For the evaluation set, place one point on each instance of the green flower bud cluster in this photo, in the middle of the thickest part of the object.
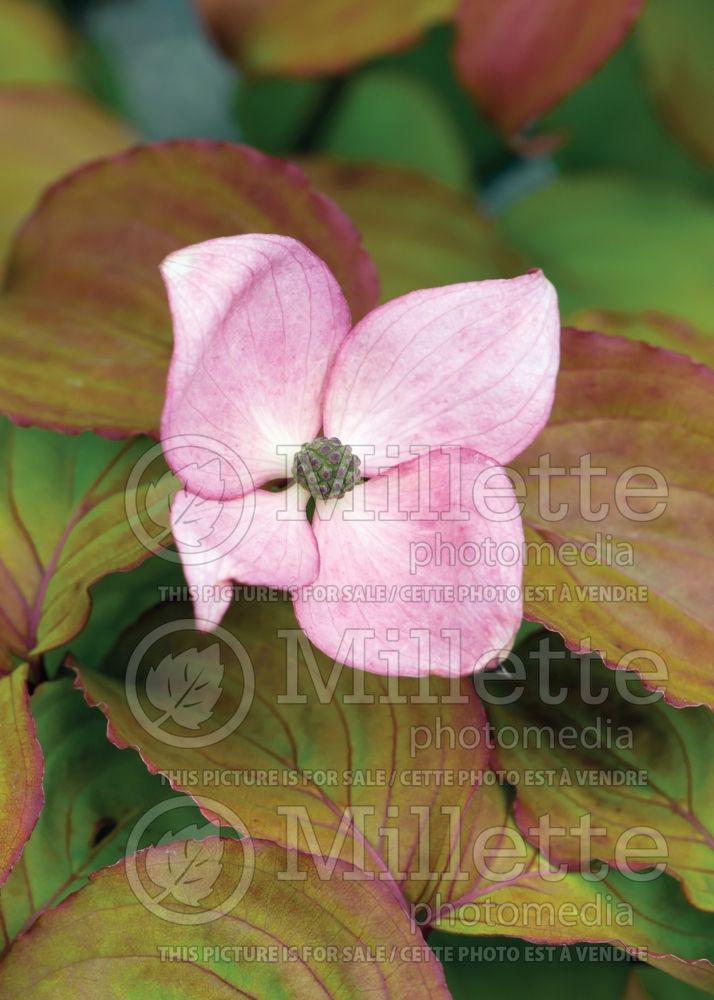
(326, 468)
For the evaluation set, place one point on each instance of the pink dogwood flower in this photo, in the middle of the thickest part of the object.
(433, 392)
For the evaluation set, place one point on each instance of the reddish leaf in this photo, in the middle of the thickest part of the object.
(651, 327)
(519, 58)
(628, 407)
(84, 307)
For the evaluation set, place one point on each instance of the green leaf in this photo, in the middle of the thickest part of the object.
(188, 871)
(610, 242)
(84, 295)
(34, 45)
(390, 117)
(431, 62)
(185, 687)
(21, 769)
(611, 122)
(117, 601)
(83, 942)
(506, 967)
(640, 417)
(274, 112)
(647, 983)
(420, 233)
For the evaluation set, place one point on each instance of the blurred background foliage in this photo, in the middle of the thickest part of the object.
(610, 192)
(602, 192)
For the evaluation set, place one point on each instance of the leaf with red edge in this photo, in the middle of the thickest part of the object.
(64, 525)
(518, 58)
(675, 44)
(644, 416)
(46, 132)
(325, 36)
(21, 767)
(84, 307)
(652, 327)
(326, 925)
(613, 751)
(187, 870)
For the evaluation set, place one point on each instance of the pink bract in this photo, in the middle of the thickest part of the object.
(434, 390)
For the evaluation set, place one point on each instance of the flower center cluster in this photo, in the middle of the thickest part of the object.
(326, 468)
